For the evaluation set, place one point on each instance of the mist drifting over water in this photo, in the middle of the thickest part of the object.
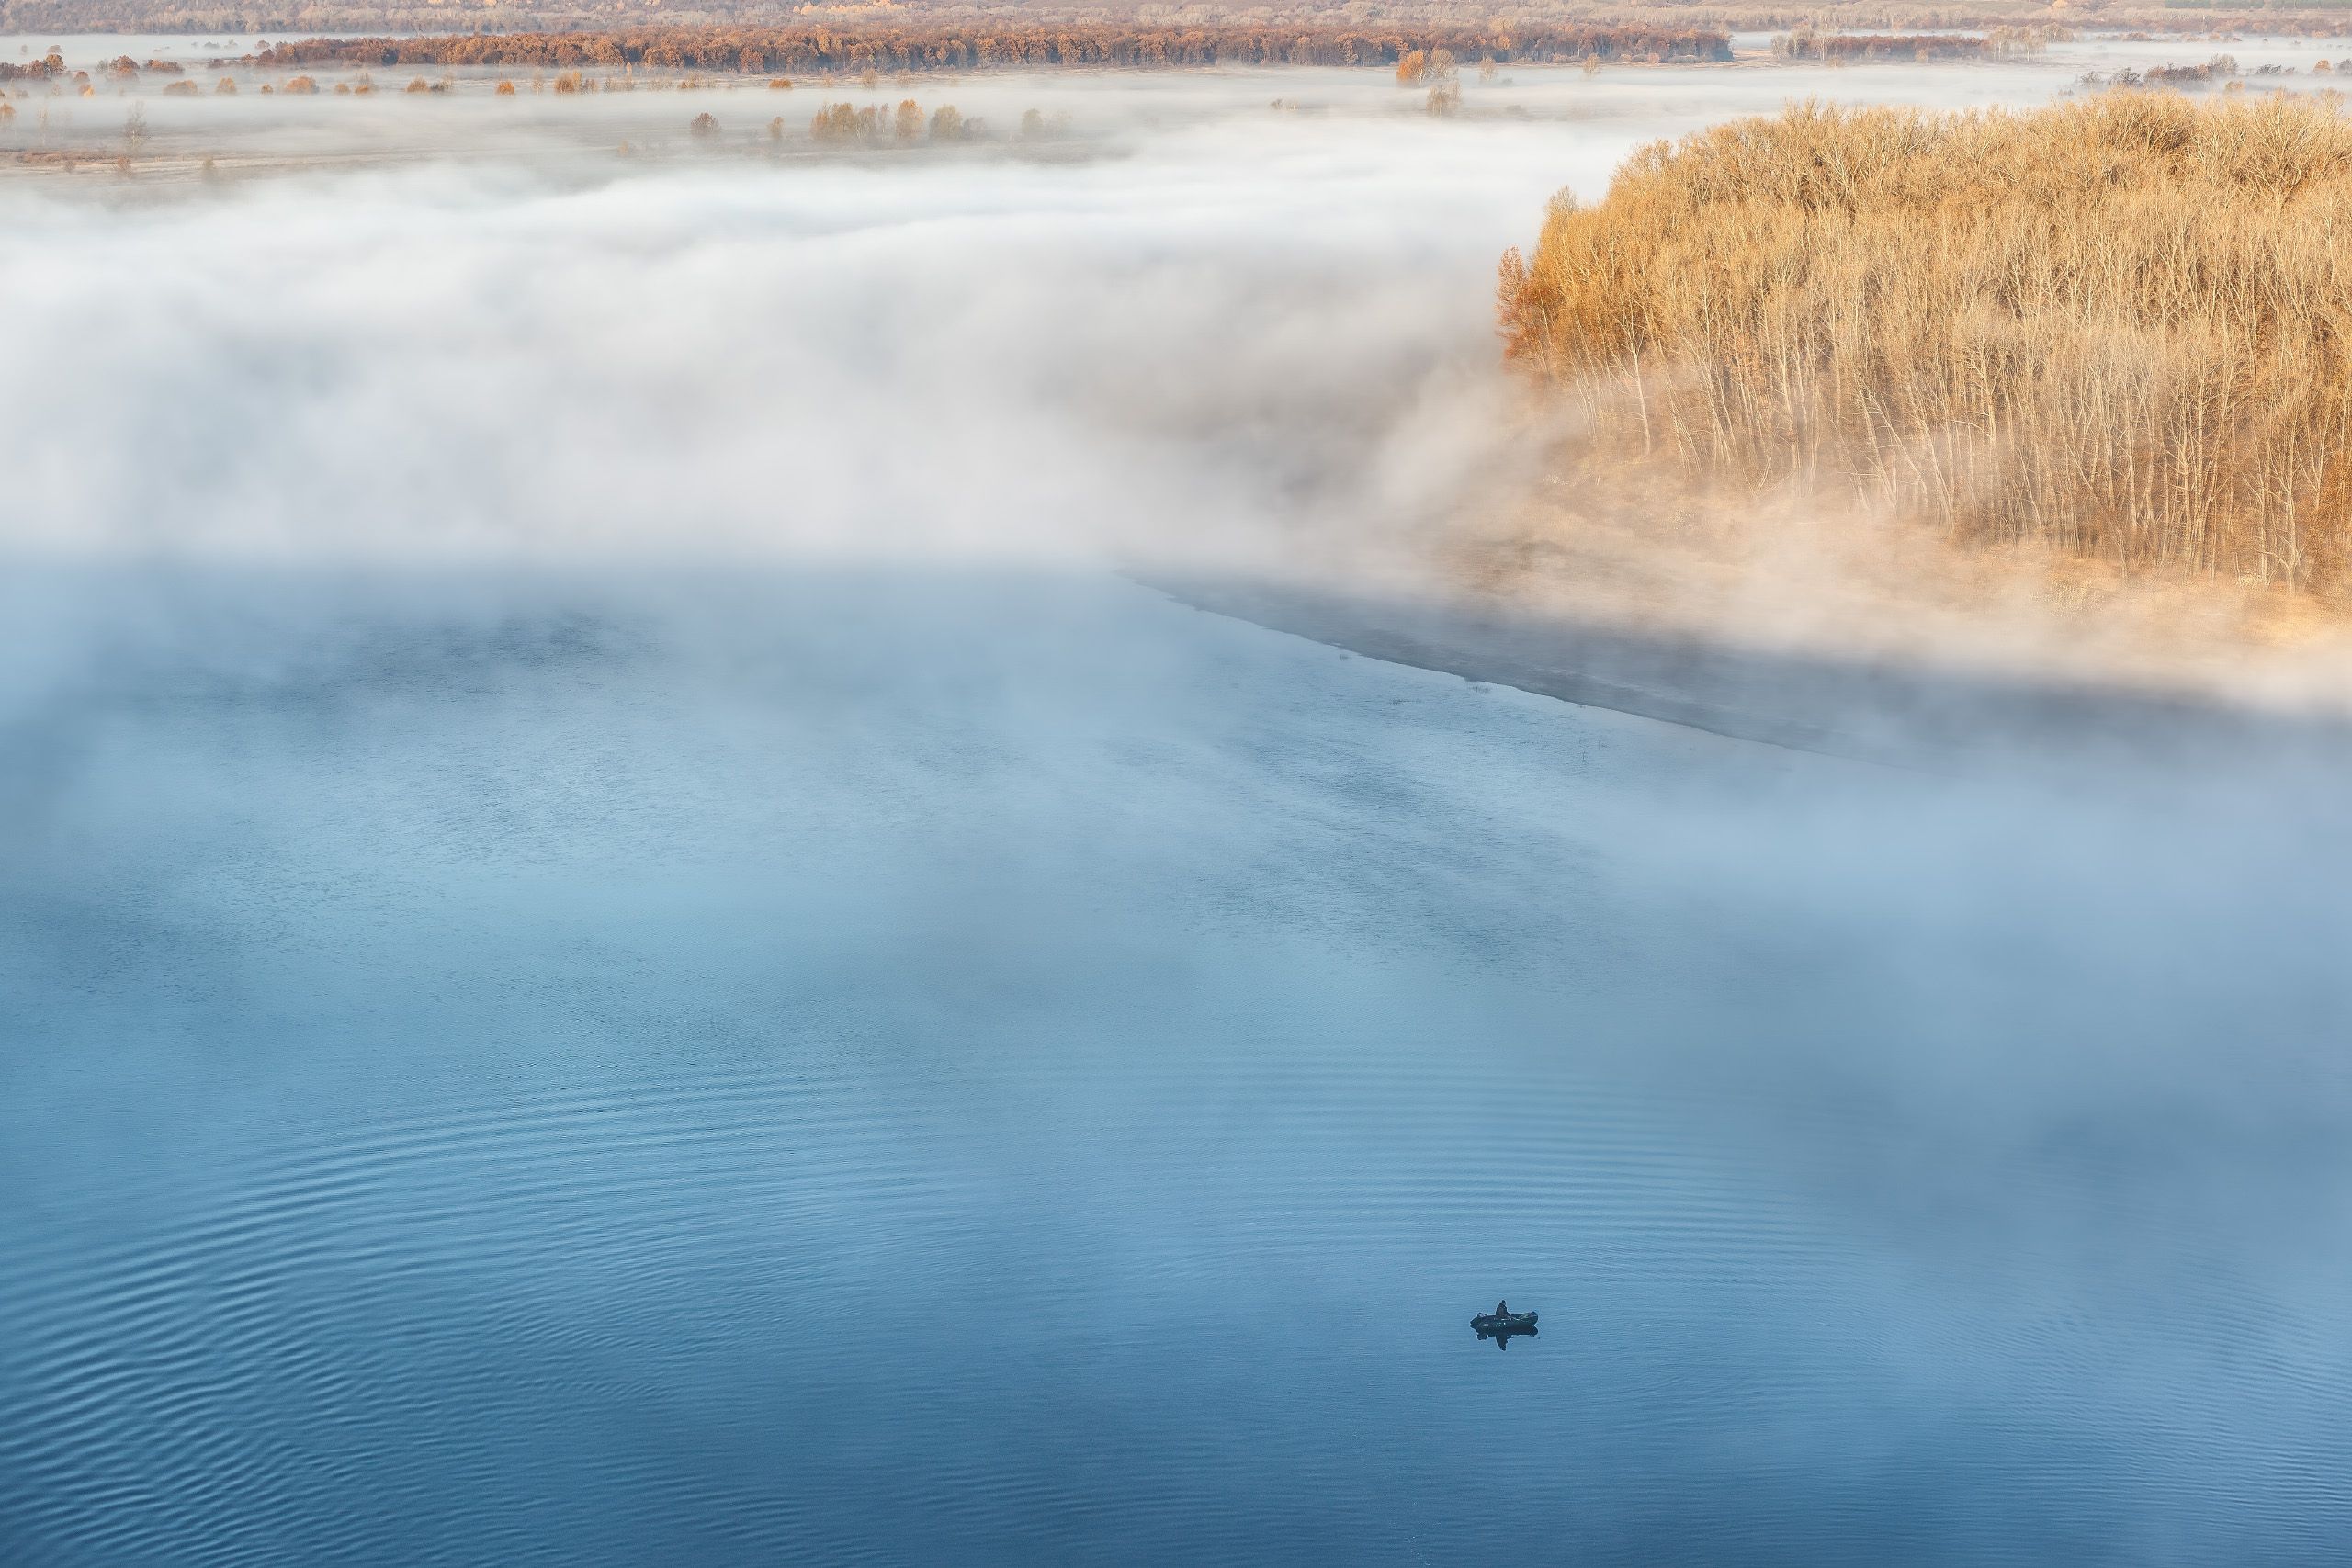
(621, 943)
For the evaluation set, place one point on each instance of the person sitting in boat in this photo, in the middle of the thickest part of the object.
(1502, 1309)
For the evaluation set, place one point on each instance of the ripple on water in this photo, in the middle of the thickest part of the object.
(488, 1205)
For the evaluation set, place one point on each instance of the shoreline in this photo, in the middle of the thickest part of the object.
(1888, 712)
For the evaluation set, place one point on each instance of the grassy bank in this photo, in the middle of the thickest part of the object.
(2121, 327)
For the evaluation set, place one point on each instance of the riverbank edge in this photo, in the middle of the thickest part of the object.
(1896, 714)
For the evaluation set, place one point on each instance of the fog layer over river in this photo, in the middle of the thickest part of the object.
(620, 943)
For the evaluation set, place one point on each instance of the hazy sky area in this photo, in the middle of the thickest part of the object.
(621, 942)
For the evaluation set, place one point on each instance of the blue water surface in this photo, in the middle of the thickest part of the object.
(835, 1066)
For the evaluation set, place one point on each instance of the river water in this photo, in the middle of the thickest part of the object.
(867, 1066)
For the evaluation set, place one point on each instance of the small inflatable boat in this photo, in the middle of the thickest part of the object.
(1502, 1323)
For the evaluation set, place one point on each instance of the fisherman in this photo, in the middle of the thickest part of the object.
(1502, 1309)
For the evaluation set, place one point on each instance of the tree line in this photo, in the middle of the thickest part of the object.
(1806, 43)
(306, 17)
(965, 46)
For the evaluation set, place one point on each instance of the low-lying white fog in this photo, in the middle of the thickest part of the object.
(1190, 308)
(1607, 111)
(621, 940)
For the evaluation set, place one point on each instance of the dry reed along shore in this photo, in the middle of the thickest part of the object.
(2120, 326)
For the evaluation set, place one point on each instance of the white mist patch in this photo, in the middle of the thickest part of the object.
(1007, 356)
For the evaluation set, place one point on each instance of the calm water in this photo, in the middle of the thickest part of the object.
(855, 1068)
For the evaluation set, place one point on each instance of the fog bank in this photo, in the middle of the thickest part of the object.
(1211, 319)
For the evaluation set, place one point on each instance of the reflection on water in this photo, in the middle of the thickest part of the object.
(901, 1071)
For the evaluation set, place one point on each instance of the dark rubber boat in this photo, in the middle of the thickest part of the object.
(1502, 1323)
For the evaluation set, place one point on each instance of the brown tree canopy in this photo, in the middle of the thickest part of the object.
(966, 47)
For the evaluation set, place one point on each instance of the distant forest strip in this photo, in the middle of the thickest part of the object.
(1893, 19)
(2120, 326)
(1999, 42)
(919, 46)
(303, 18)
